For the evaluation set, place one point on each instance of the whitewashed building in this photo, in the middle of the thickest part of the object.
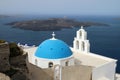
(56, 55)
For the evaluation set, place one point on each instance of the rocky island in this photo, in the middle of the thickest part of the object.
(52, 24)
(4, 16)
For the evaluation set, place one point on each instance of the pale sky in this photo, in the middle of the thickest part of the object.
(79, 7)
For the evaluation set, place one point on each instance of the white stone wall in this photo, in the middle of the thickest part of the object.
(44, 63)
(69, 60)
(30, 57)
(106, 71)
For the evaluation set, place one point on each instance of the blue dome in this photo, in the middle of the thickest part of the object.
(53, 49)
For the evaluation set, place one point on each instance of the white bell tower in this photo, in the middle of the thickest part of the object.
(80, 42)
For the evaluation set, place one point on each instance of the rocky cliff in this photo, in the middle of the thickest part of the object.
(4, 57)
(12, 67)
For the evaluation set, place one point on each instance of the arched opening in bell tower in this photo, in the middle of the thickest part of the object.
(83, 46)
(80, 34)
(77, 44)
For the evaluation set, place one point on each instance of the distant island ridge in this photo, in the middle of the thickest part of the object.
(52, 24)
(4, 16)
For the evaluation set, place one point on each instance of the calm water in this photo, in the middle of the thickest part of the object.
(104, 40)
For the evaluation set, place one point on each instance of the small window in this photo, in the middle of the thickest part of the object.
(66, 63)
(77, 44)
(83, 46)
(80, 34)
(50, 65)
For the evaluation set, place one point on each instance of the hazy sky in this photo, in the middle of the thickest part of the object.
(78, 7)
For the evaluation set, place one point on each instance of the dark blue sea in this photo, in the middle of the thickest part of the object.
(104, 40)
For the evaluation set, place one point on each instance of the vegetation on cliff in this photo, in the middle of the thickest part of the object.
(15, 50)
(2, 41)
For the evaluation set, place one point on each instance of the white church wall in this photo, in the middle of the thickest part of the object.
(30, 57)
(67, 62)
(103, 67)
(44, 63)
(72, 62)
(30, 52)
(104, 71)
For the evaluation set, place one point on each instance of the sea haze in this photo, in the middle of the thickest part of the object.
(104, 40)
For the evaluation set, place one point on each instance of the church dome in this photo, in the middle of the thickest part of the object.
(53, 49)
